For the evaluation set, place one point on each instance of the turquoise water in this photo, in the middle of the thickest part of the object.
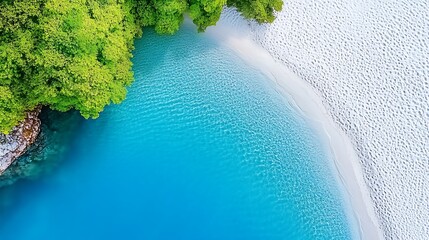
(203, 148)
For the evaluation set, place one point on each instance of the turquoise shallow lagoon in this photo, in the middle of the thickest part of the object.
(204, 147)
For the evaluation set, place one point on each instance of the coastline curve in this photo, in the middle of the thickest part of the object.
(308, 102)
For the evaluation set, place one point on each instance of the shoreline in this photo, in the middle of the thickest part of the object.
(304, 98)
(17, 142)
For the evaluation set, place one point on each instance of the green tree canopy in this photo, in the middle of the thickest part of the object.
(75, 54)
(167, 15)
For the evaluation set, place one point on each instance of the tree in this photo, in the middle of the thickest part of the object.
(17, 44)
(167, 15)
(260, 10)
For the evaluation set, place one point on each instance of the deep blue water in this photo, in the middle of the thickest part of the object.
(203, 148)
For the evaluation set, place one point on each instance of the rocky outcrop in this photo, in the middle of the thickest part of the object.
(17, 142)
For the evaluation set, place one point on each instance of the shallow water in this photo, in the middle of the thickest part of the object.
(203, 148)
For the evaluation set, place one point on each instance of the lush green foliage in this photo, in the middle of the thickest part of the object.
(64, 54)
(260, 10)
(76, 53)
(167, 15)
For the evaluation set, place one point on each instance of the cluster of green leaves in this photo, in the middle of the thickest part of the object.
(167, 15)
(63, 54)
(17, 41)
(75, 54)
(260, 10)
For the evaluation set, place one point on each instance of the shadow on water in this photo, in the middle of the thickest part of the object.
(42, 157)
(170, 49)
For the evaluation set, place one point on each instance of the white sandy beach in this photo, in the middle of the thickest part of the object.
(369, 63)
(307, 101)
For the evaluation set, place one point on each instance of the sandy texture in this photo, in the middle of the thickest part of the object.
(369, 60)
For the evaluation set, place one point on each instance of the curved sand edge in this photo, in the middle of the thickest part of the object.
(307, 101)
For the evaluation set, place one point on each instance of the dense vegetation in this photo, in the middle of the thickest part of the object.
(75, 54)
